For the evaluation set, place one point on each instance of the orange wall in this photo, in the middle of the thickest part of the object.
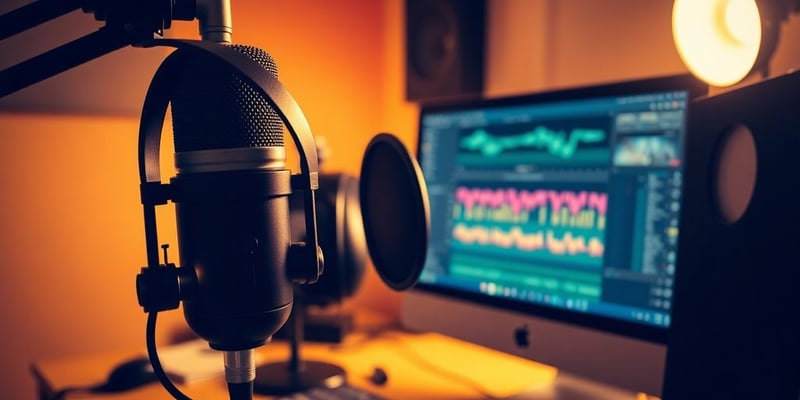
(542, 44)
(69, 238)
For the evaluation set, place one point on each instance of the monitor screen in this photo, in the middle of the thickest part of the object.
(557, 214)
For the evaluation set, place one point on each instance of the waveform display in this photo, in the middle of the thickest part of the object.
(503, 213)
(543, 216)
(551, 225)
(559, 143)
(582, 208)
(564, 244)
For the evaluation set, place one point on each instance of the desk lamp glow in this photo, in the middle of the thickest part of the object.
(724, 41)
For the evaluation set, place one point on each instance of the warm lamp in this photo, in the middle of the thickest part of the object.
(723, 41)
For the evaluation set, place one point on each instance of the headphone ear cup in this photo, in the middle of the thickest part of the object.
(341, 236)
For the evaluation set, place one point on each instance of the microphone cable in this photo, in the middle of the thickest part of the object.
(236, 391)
(152, 354)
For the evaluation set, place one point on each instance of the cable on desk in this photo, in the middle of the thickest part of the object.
(412, 355)
(237, 391)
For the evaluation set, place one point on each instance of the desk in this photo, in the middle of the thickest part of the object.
(418, 366)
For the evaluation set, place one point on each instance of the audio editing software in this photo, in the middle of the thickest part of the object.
(572, 204)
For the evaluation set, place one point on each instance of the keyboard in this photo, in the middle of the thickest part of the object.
(344, 392)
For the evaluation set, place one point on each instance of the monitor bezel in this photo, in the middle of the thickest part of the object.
(648, 333)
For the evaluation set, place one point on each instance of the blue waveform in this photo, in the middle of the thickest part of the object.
(557, 143)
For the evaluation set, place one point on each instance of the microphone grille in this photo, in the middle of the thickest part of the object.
(213, 108)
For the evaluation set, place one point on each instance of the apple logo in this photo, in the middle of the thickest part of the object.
(522, 336)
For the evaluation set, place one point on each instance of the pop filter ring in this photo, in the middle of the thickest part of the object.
(395, 208)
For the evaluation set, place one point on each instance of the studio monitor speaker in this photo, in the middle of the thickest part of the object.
(735, 332)
(444, 48)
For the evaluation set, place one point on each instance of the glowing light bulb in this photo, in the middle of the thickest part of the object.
(718, 40)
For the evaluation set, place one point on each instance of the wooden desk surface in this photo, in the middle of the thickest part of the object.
(418, 366)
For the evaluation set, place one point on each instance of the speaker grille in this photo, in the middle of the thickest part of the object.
(444, 48)
(213, 108)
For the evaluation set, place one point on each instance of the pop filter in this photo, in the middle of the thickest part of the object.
(395, 209)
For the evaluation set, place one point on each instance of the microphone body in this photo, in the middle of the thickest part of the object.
(232, 204)
(231, 232)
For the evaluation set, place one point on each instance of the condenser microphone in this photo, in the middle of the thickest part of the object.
(232, 208)
(231, 195)
(231, 202)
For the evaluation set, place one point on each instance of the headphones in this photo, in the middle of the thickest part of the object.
(341, 236)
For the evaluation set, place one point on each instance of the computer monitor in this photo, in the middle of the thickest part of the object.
(554, 225)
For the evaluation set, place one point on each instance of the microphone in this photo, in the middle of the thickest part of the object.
(231, 195)
(231, 202)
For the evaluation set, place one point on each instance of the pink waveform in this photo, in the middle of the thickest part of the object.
(520, 200)
(540, 240)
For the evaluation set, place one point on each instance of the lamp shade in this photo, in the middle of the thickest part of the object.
(718, 40)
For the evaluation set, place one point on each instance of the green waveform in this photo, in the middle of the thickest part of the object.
(557, 143)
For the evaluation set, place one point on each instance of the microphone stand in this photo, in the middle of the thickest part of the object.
(296, 374)
(34, 14)
(126, 23)
(58, 60)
